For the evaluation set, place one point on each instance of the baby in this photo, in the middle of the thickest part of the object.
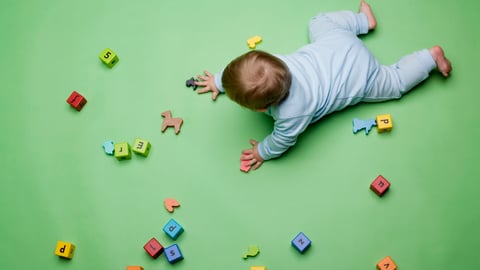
(334, 71)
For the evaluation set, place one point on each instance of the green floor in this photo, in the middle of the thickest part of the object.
(57, 183)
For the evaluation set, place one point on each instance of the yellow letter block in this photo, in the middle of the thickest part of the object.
(122, 151)
(386, 264)
(384, 122)
(108, 57)
(64, 249)
(141, 147)
(258, 268)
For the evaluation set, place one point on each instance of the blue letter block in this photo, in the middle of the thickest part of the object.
(301, 242)
(173, 254)
(173, 229)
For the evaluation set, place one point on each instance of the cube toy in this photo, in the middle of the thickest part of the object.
(384, 122)
(108, 57)
(173, 254)
(386, 264)
(64, 249)
(301, 242)
(173, 229)
(258, 268)
(253, 41)
(134, 268)
(76, 100)
(108, 147)
(153, 248)
(141, 147)
(380, 185)
(122, 151)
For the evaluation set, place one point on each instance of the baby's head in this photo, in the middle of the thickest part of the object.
(257, 80)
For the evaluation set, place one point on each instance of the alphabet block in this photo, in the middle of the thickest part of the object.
(384, 122)
(141, 147)
(108, 57)
(258, 268)
(65, 249)
(134, 268)
(76, 100)
(153, 248)
(122, 151)
(380, 185)
(386, 264)
(301, 242)
(173, 229)
(173, 254)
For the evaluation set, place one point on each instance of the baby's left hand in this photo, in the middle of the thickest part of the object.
(251, 154)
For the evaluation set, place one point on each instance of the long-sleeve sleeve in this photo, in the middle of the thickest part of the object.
(284, 135)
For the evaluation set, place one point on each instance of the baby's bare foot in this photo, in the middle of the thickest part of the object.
(365, 8)
(443, 64)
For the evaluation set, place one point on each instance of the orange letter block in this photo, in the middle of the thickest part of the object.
(386, 264)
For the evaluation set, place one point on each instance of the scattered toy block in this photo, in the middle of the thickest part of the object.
(122, 151)
(173, 229)
(173, 254)
(64, 249)
(76, 100)
(153, 248)
(386, 264)
(384, 122)
(170, 203)
(141, 147)
(380, 185)
(301, 242)
(359, 124)
(245, 166)
(169, 121)
(134, 268)
(258, 268)
(253, 41)
(191, 83)
(108, 57)
(252, 251)
(108, 147)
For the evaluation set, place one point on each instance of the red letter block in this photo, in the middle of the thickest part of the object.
(380, 185)
(153, 247)
(76, 100)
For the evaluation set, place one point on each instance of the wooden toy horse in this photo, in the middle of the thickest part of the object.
(169, 121)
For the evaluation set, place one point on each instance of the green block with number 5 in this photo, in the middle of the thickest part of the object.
(108, 57)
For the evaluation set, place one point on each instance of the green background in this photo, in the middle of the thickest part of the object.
(57, 183)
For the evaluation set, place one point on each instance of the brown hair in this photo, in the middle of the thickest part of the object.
(257, 80)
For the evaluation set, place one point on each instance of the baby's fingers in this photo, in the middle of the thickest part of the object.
(204, 90)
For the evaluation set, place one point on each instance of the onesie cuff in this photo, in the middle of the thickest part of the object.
(362, 23)
(218, 81)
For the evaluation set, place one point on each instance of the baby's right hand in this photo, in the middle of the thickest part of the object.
(208, 83)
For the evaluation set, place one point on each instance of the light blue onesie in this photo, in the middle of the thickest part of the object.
(332, 72)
